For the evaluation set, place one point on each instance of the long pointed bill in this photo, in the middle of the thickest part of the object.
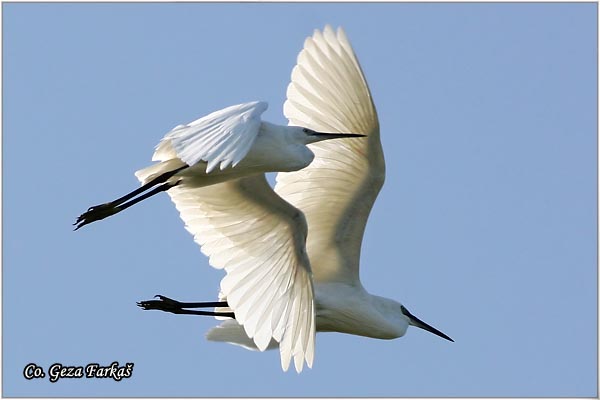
(414, 321)
(325, 136)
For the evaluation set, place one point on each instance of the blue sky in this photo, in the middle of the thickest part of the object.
(485, 228)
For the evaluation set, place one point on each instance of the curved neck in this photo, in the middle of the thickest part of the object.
(351, 309)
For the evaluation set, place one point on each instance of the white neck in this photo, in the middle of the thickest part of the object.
(351, 309)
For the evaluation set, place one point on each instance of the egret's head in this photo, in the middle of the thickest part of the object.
(310, 136)
(414, 321)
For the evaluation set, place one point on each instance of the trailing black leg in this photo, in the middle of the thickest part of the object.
(102, 211)
(176, 307)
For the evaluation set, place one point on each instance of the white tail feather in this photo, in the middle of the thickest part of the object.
(231, 332)
(145, 175)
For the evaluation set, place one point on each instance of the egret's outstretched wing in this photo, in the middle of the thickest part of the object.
(329, 93)
(221, 138)
(259, 239)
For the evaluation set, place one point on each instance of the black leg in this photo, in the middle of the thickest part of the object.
(176, 307)
(102, 211)
(158, 180)
(162, 188)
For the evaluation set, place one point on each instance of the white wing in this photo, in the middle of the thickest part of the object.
(259, 239)
(222, 137)
(329, 93)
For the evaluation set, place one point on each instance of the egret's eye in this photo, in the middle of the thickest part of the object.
(305, 130)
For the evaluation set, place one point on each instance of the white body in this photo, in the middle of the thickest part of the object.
(339, 307)
(267, 148)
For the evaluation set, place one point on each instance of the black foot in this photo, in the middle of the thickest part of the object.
(163, 303)
(176, 307)
(96, 213)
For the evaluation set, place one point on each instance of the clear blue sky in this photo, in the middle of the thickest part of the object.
(485, 228)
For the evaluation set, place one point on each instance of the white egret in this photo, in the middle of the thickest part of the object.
(281, 286)
(233, 139)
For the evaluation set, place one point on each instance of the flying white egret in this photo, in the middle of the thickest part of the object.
(234, 139)
(281, 286)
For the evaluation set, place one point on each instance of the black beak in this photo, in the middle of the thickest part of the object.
(414, 321)
(324, 135)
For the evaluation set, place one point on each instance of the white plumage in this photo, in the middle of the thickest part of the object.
(246, 229)
(291, 255)
(221, 138)
(259, 236)
(337, 190)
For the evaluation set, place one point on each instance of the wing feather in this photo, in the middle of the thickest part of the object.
(259, 239)
(222, 138)
(328, 93)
